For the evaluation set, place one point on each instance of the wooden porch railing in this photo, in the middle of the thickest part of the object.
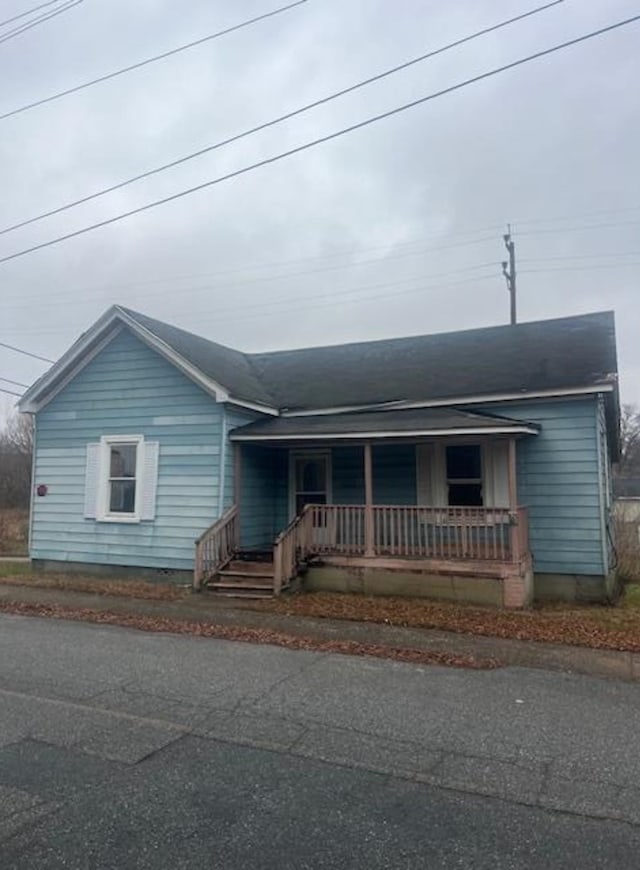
(215, 547)
(291, 547)
(470, 533)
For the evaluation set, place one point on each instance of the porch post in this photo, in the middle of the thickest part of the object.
(237, 483)
(369, 548)
(513, 501)
(513, 485)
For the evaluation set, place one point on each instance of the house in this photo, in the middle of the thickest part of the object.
(626, 493)
(626, 512)
(472, 465)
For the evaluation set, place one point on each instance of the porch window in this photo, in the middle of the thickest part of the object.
(464, 475)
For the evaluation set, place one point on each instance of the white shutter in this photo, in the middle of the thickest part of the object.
(92, 481)
(150, 452)
(496, 472)
(431, 475)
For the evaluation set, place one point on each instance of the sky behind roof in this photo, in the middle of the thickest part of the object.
(395, 229)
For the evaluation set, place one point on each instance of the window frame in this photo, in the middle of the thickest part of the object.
(104, 515)
(469, 481)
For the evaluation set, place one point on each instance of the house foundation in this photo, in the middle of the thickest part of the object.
(493, 584)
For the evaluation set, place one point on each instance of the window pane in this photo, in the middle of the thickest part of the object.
(123, 460)
(464, 462)
(465, 494)
(311, 475)
(122, 498)
(309, 498)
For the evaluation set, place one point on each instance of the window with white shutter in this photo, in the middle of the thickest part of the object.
(121, 479)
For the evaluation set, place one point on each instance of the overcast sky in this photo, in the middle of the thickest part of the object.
(392, 230)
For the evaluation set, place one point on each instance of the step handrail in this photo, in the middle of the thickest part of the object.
(291, 547)
(216, 546)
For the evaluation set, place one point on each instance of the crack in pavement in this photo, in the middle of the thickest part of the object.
(378, 757)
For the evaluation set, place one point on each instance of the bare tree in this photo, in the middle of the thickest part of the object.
(629, 464)
(16, 449)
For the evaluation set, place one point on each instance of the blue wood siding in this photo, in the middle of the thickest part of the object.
(263, 495)
(347, 467)
(558, 480)
(128, 389)
(264, 476)
(394, 474)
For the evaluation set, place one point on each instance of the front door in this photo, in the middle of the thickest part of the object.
(310, 480)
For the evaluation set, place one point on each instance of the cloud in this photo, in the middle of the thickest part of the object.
(555, 138)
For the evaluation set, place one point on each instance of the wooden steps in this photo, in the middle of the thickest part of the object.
(248, 575)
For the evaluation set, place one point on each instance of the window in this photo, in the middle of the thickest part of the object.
(121, 486)
(464, 475)
(121, 479)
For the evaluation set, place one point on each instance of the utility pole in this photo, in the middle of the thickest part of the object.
(509, 271)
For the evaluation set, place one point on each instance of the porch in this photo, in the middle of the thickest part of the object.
(430, 508)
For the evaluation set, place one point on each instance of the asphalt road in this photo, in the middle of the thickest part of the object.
(120, 749)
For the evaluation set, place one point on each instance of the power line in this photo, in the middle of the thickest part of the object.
(149, 60)
(10, 392)
(85, 291)
(581, 268)
(340, 294)
(265, 279)
(368, 298)
(322, 139)
(545, 232)
(25, 352)
(28, 12)
(288, 115)
(15, 383)
(11, 34)
(582, 257)
(573, 217)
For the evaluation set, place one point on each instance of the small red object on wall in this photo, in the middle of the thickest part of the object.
(42, 489)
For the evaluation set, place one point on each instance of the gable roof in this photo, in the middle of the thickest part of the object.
(528, 357)
(571, 353)
(226, 366)
(412, 422)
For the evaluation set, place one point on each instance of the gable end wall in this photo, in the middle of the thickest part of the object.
(128, 389)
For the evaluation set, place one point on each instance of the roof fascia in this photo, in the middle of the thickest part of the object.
(211, 386)
(488, 398)
(77, 357)
(81, 353)
(254, 406)
(524, 429)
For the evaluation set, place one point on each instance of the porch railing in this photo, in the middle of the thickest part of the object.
(471, 533)
(215, 547)
(291, 547)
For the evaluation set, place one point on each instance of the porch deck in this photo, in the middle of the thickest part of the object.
(444, 540)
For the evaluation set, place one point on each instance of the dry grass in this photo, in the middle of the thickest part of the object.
(14, 532)
(250, 635)
(595, 626)
(20, 574)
